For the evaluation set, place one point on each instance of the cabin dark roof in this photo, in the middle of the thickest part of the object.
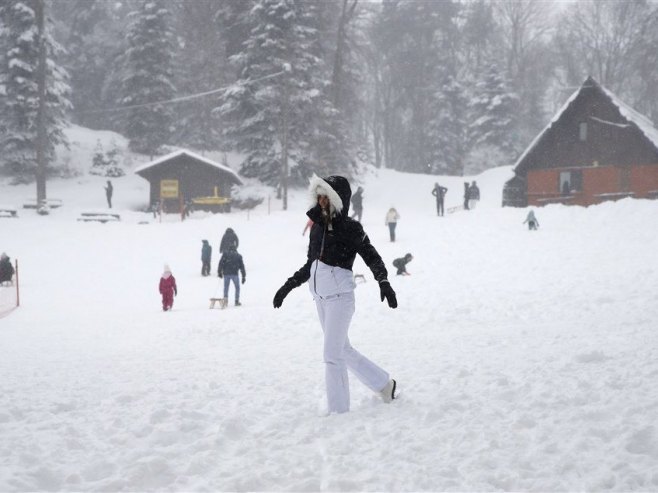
(631, 116)
(146, 168)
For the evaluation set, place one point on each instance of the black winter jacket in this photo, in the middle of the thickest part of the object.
(229, 240)
(338, 245)
(230, 263)
(439, 192)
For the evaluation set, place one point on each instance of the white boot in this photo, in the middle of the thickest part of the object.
(388, 392)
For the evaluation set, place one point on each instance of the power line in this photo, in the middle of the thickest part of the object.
(184, 98)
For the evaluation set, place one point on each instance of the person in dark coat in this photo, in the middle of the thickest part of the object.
(109, 189)
(473, 195)
(229, 265)
(6, 269)
(206, 256)
(357, 202)
(439, 192)
(401, 264)
(168, 288)
(334, 242)
(230, 239)
(467, 196)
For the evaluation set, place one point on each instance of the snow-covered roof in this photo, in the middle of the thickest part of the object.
(555, 118)
(193, 155)
(644, 124)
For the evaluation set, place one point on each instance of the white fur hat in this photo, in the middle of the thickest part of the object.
(317, 187)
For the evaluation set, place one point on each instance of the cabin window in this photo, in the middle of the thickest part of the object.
(570, 181)
(582, 131)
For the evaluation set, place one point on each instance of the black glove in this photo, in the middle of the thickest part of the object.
(243, 280)
(386, 291)
(280, 295)
(220, 275)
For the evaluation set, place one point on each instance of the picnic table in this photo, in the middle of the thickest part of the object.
(50, 203)
(99, 216)
(8, 211)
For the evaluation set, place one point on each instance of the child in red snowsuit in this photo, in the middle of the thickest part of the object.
(168, 289)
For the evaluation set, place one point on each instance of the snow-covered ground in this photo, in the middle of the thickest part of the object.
(527, 360)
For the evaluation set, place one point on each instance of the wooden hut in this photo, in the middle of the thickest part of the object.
(184, 177)
(596, 148)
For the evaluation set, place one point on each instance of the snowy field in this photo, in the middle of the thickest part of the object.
(528, 361)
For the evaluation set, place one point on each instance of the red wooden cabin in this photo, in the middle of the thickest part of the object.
(596, 148)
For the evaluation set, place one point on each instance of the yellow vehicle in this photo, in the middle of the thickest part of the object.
(213, 203)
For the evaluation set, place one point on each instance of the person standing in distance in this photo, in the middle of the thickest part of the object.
(334, 241)
(229, 240)
(109, 189)
(439, 192)
(357, 202)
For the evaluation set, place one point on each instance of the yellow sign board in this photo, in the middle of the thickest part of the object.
(169, 189)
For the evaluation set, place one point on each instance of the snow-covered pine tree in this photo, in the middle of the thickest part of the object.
(91, 31)
(19, 41)
(106, 163)
(493, 114)
(98, 162)
(114, 169)
(417, 41)
(447, 128)
(283, 39)
(332, 128)
(148, 76)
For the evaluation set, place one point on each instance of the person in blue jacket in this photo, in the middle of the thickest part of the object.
(229, 265)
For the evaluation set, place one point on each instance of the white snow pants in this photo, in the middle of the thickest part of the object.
(335, 314)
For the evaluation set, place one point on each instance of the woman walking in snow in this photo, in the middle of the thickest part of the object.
(392, 217)
(168, 288)
(334, 241)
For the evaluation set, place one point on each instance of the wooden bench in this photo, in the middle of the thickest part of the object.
(222, 302)
(8, 211)
(101, 217)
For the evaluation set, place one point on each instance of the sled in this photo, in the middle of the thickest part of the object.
(222, 302)
(455, 209)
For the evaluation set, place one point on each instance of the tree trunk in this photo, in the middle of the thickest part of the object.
(42, 138)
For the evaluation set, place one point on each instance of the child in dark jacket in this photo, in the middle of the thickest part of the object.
(533, 224)
(168, 288)
(206, 255)
(229, 265)
(401, 264)
(6, 269)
